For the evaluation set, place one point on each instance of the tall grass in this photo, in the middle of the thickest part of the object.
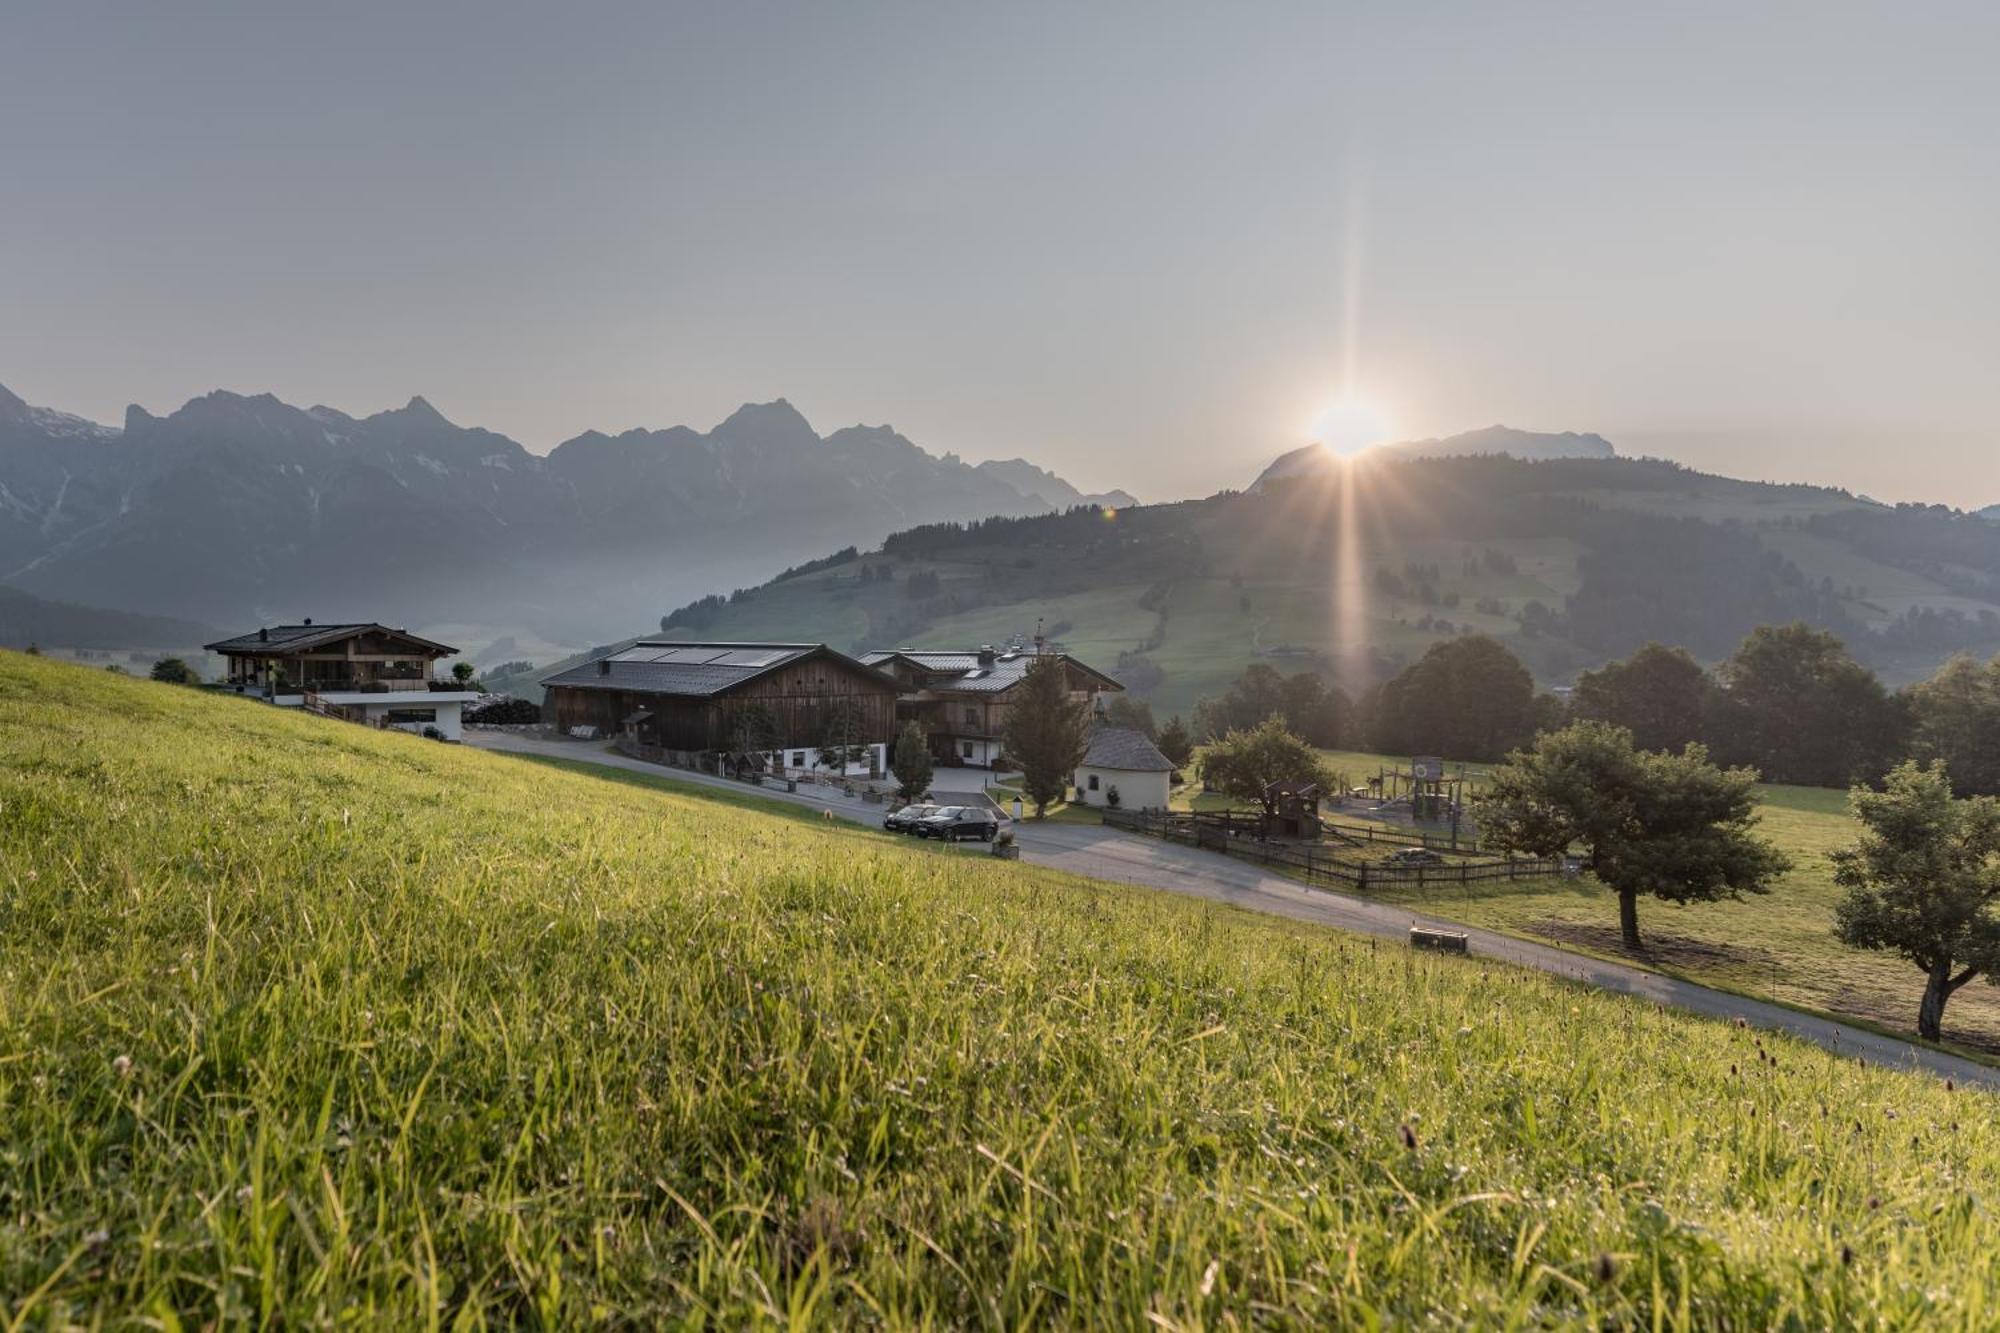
(301, 1022)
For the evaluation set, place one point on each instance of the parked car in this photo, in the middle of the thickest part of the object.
(1411, 857)
(906, 819)
(954, 822)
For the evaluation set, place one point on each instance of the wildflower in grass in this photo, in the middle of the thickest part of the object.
(1847, 1256)
(1409, 1138)
(1607, 1269)
(122, 1066)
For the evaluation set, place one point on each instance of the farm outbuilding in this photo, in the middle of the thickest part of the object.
(1121, 765)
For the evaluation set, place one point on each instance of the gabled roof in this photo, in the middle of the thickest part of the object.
(970, 675)
(695, 670)
(281, 640)
(1124, 749)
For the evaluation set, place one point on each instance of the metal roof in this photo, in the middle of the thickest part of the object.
(972, 676)
(300, 638)
(1125, 749)
(696, 670)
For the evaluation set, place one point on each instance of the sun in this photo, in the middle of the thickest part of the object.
(1350, 426)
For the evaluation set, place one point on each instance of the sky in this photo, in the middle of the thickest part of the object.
(1144, 245)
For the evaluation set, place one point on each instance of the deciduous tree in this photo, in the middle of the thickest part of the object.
(1800, 709)
(1659, 694)
(1465, 698)
(1670, 825)
(1955, 718)
(1245, 762)
(840, 742)
(1923, 881)
(1047, 731)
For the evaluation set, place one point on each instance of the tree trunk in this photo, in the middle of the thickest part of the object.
(1628, 919)
(1937, 989)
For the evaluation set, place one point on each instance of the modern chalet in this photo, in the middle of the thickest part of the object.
(366, 673)
(961, 699)
(764, 706)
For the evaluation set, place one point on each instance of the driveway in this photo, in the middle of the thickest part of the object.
(1129, 858)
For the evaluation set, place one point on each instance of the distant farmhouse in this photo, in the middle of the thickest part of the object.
(771, 705)
(961, 700)
(364, 673)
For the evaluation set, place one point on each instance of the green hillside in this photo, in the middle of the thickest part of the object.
(1570, 563)
(306, 1023)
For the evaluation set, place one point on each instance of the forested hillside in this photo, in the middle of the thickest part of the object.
(1569, 562)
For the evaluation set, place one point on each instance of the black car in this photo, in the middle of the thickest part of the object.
(954, 822)
(905, 819)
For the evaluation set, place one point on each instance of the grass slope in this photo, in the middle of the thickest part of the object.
(1780, 945)
(304, 1022)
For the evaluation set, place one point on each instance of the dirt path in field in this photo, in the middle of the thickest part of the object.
(1103, 853)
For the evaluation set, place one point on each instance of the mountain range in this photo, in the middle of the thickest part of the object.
(1527, 446)
(236, 510)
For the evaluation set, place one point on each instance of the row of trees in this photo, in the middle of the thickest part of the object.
(1793, 703)
(1790, 701)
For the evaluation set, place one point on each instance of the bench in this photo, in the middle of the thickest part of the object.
(1444, 941)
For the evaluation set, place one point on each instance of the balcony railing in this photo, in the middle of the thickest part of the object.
(378, 684)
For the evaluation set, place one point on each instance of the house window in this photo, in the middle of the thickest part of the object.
(1093, 782)
(798, 759)
(409, 717)
(971, 716)
(968, 749)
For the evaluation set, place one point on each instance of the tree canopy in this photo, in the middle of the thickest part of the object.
(1659, 694)
(1955, 719)
(1175, 743)
(1923, 881)
(1672, 826)
(1468, 698)
(1800, 709)
(1046, 732)
(840, 742)
(1310, 707)
(1246, 761)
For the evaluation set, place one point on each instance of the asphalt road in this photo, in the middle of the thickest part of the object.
(1128, 858)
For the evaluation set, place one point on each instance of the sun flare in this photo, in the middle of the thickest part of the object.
(1350, 426)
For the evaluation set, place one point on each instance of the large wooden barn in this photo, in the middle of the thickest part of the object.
(778, 702)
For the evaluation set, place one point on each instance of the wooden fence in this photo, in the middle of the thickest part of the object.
(1241, 836)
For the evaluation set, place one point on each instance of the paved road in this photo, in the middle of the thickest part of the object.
(1134, 859)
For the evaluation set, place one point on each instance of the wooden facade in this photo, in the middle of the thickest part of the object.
(797, 700)
(294, 658)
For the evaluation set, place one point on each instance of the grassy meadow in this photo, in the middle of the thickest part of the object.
(1779, 946)
(304, 1023)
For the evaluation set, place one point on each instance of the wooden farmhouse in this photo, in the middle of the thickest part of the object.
(962, 699)
(366, 673)
(765, 706)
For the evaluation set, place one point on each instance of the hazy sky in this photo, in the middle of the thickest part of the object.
(1138, 244)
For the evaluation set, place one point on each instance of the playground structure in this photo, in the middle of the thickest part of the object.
(1425, 793)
